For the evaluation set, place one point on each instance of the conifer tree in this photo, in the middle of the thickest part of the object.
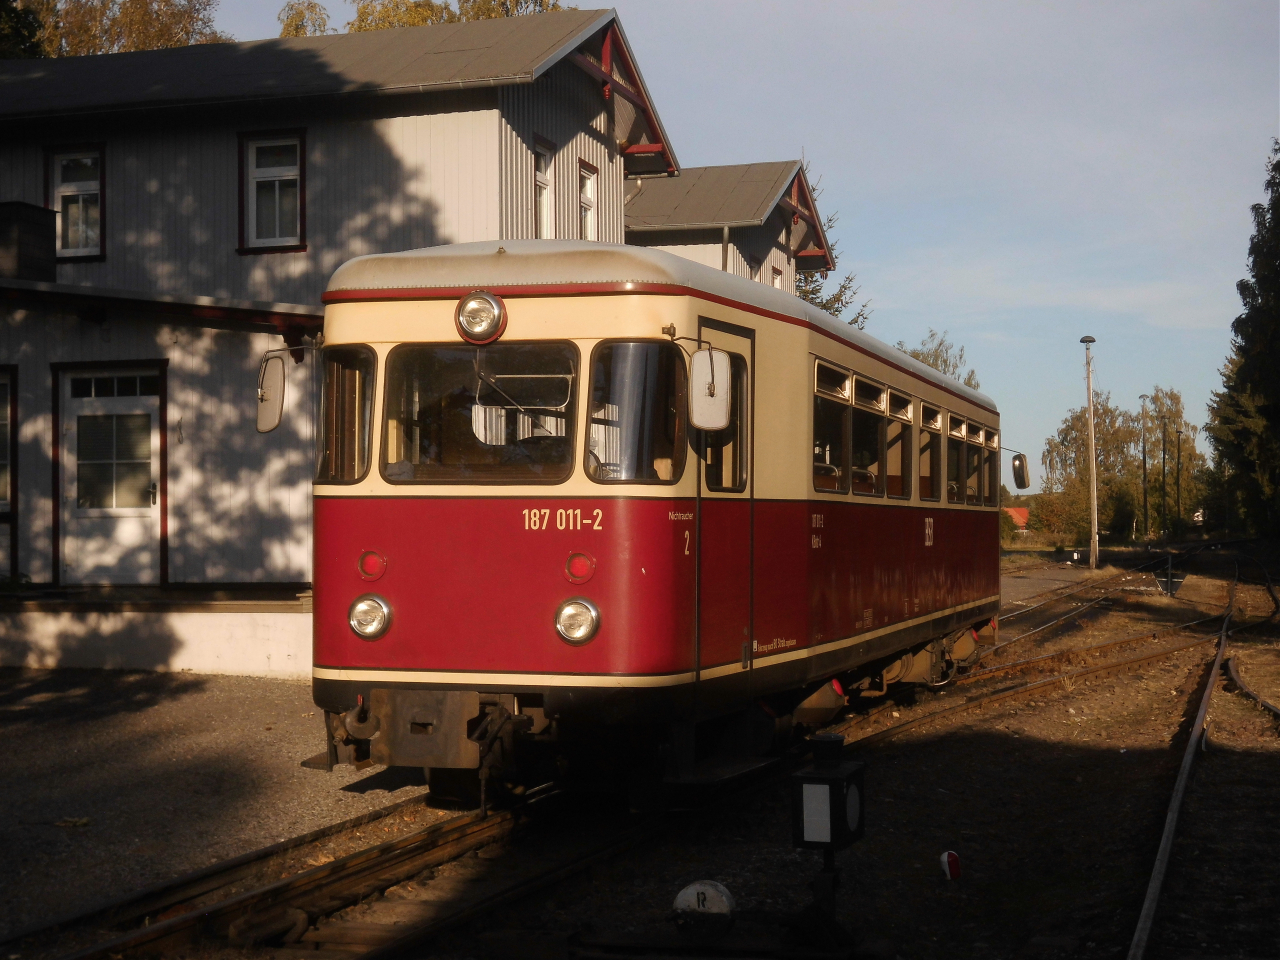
(1244, 417)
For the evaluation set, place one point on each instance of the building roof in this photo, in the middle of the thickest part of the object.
(1020, 515)
(738, 195)
(741, 195)
(450, 56)
(533, 267)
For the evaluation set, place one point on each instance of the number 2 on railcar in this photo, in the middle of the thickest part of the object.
(573, 497)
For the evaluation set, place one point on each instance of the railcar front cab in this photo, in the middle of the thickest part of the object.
(482, 410)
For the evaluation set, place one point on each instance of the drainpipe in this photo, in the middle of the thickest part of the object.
(724, 251)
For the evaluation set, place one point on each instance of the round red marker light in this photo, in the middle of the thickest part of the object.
(372, 565)
(579, 567)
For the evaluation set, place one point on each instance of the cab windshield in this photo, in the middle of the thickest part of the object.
(499, 413)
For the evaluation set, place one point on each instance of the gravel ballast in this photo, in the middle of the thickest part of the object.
(115, 781)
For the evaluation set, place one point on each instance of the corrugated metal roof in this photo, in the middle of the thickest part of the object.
(549, 263)
(405, 60)
(741, 195)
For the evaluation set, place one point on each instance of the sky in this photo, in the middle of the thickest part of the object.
(1019, 175)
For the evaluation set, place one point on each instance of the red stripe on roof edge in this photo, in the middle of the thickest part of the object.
(615, 288)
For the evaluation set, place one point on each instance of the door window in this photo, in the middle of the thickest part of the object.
(638, 398)
(113, 454)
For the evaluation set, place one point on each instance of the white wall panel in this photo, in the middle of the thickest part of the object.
(172, 202)
(239, 501)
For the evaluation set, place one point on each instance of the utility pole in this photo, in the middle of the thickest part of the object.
(1164, 473)
(1177, 480)
(1093, 459)
(1146, 523)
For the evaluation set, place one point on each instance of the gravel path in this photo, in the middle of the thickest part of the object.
(115, 781)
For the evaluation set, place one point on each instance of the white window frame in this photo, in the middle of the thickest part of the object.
(588, 209)
(544, 203)
(76, 188)
(253, 176)
(777, 279)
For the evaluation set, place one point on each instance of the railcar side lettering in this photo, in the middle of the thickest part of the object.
(566, 519)
(686, 543)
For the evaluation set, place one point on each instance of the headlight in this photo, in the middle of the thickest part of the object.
(370, 617)
(577, 620)
(481, 317)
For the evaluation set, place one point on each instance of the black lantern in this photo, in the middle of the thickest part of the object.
(826, 798)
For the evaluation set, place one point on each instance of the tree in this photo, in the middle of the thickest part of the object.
(1063, 506)
(938, 352)
(74, 28)
(383, 14)
(303, 18)
(1244, 417)
(811, 285)
(19, 32)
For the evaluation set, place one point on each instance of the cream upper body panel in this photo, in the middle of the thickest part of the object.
(388, 299)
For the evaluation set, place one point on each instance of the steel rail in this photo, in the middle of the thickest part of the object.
(1080, 589)
(1095, 648)
(332, 885)
(188, 886)
(1142, 934)
(1248, 691)
(1023, 689)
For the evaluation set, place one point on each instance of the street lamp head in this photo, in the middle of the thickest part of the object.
(1088, 340)
(1144, 396)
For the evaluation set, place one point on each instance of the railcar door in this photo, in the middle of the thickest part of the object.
(724, 524)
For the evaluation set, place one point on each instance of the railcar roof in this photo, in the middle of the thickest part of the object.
(495, 264)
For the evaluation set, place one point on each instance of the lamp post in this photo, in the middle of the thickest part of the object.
(1177, 481)
(1093, 460)
(1164, 476)
(1146, 522)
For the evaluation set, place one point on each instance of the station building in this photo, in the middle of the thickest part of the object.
(168, 216)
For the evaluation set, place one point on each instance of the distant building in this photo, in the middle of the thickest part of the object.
(754, 220)
(1020, 516)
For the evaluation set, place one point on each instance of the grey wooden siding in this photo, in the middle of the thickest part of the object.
(567, 108)
(373, 185)
(239, 501)
(767, 243)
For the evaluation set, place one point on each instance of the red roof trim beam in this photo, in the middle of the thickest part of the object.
(798, 201)
(617, 73)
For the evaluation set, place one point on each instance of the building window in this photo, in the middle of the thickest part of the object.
(77, 198)
(274, 192)
(777, 278)
(587, 201)
(543, 193)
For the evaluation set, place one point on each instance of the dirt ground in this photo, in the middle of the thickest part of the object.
(115, 781)
(1054, 804)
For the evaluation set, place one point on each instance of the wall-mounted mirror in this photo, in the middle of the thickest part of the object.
(1020, 478)
(270, 392)
(709, 390)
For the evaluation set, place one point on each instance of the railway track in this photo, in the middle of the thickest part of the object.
(323, 912)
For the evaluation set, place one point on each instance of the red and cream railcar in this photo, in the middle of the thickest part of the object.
(518, 534)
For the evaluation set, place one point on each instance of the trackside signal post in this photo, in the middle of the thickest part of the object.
(1093, 464)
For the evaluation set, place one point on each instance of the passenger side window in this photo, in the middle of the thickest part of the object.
(832, 390)
(991, 458)
(955, 460)
(898, 447)
(930, 453)
(973, 466)
(867, 449)
(725, 451)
